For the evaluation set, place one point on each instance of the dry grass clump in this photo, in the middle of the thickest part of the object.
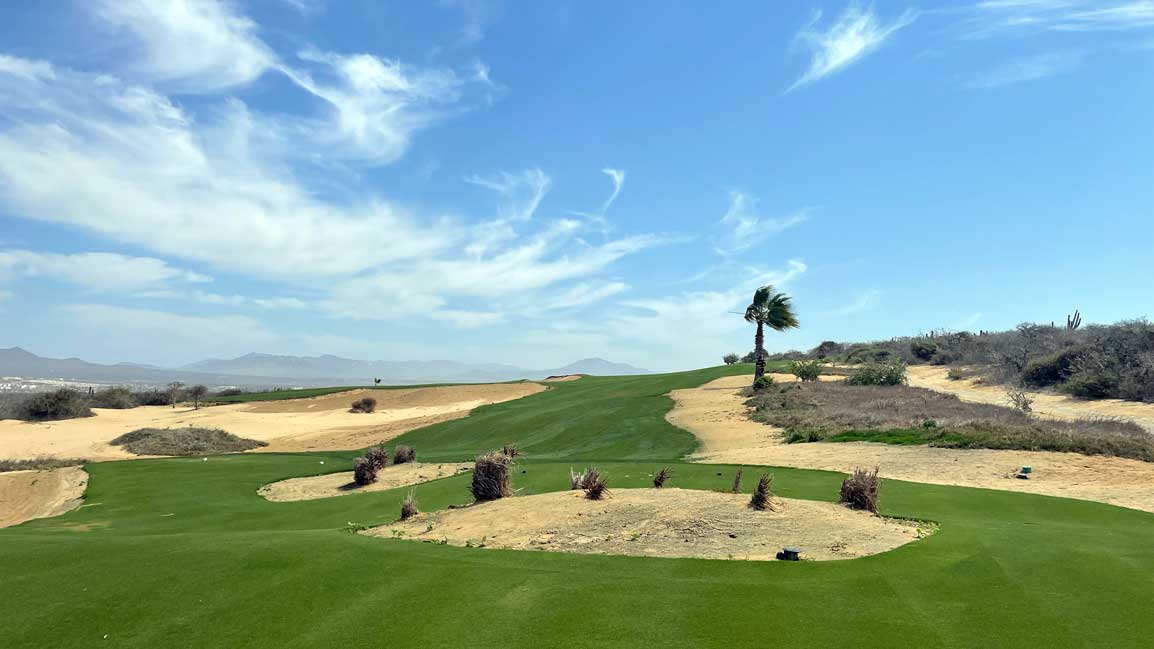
(364, 404)
(860, 490)
(595, 484)
(575, 479)
(39, 464)
(661, 476)
(762, 499)
(193, 440)
(403, 454)
(905, 415)
(364, 471)
(409, 505)
(491, 476)
(1018, 398)
(378, 456)
(511, 450)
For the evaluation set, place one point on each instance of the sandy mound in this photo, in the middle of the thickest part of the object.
(1046, 404)
(717, 415)
(25, 495)
(321, 423)
(341, 484)
(661, 522)
(567, 377)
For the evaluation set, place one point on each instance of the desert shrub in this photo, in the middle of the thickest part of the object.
(575, 479)
(364, 404)
(878, 374)
(737, 481)
(152, 397)
(860, 490)
(116, 398)
(409, 505)
(1053, 369)
(403, 454)
(511, 450)
(729, 359)
(826, 349)
(955, 374)
(39, 464)
(661, 476)
(491, 476)
(762, 383)
(805, 370)
(64, 403)
(377, 456)
(923, 349)
(364, 471)
(762, 499)
(751, 357)
(1019, 399)
(184, 441)
(1091, 385)
(595, 484)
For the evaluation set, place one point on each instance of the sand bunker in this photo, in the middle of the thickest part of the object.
(1045, 404)
(717, 415)
(321, 423)
(566, 377)
(25, 495)
(341, 484)
(662, 523)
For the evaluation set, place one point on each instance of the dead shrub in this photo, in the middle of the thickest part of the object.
(1019, 399)
(575, 479)
(409, 506)
(403, 454)
(664, 474)
(364, 471)
(188, 441)
(491, 476)
(737, 480)
(860, 490)
(64, 403)
(377, 456)
(511, 451)
(763, 496)
(595, 485)
(366, 404)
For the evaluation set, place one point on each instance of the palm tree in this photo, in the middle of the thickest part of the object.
(772, 309)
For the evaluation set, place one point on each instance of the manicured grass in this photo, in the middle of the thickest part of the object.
(183, 553)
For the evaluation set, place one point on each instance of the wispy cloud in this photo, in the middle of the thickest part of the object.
(867, 300)
(967, 322)
(854, 34)
(1026, 69)
(97, 271)
(743, 228)
(994, 17)
(598, 216)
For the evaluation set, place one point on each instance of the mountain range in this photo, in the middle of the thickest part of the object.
(264, 370)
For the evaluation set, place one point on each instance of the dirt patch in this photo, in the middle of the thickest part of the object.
(1047, 404)
(662, 523)
(26, 495)
(717, 415)
(341, 484)
(565, 377)
(321, 423)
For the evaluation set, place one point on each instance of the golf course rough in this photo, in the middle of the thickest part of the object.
(184, 553)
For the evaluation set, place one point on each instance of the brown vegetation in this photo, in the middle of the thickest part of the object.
(595, 484)
(661, 476)
(364, 404)
(860, 490)
(403, 454)
(491, 476)
(762, 499)
(184, 441)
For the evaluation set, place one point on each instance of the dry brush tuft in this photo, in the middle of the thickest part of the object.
(491, 476)
(860, 490)
(762, 499)
(595, 484)
(403, 454)
(409, 506)
(366, 404)
(661, 476)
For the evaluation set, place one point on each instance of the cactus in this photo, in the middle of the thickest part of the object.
(1074, 321)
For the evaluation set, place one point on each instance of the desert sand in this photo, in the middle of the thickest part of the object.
(341, 484)
(663, 523)
(567, 377)
(25, 495)
(320, 423)
(717, 415)
(1046, 404)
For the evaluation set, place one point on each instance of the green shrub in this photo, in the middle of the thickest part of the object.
(1091, 385)
(1053, 369)
(152, 397)
(806, 371)
(826, 349)
(729, 359)
(878, 374)
(228, 392)
(762, 383)
(64, 403)
(923, 349)
(116, 398)
(955, 374)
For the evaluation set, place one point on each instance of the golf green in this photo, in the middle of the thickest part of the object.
(183, 553)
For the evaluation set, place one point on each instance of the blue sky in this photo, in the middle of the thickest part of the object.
(536, 182)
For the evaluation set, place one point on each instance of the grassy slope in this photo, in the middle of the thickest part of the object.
(304, 393)
(182, 553)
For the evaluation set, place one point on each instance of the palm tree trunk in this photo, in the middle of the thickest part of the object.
(759, 352)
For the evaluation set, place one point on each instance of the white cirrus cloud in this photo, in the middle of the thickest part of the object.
(990, 18)
(194, 46)
(1029, 68)
(97, 271)
(854, 34)
(867, 300)
(743, 228)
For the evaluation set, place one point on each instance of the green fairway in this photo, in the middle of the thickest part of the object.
(183, 553)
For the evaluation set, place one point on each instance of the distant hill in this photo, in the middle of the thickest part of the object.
(265, 370)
